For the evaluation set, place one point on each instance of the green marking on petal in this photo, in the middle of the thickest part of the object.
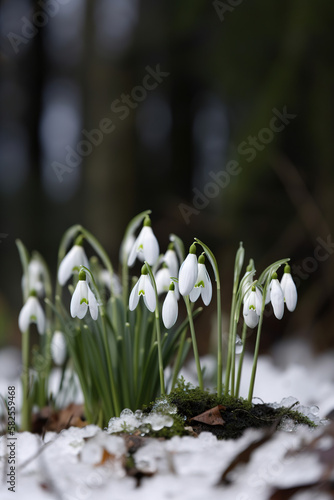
(33, 318)
(83, 300)
(141, 292)
(252, 307)
(200, 283)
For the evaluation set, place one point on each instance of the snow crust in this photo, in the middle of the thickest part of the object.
(71, 465)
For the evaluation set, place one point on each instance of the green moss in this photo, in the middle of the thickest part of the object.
(238, 414)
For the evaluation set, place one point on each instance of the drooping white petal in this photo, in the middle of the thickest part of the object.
(268, 293)
(133, 253)
(170, 309)
(283, 280)
(206, 291)
(24, 317)
(251, 319)
(111, 281)
(195, 293)
(40, 318)
(170, 258)
(36, 273)
(162, 280)
(146, 247)
(188, 274)
(134, 295)
(126, 248)
(32, 312)
(250, 309)
(92, 304)
(79, 301)
(149, 295)
(58, 347)
(76, 257)
(202, 286)
(277, 298)
(289, 291)
(259, 298)
(150, 245)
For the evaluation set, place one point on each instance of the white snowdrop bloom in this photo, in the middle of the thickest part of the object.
(126, 247)
(82, 299)
(72, 261)
(252, 307)
(203, 284)
(58, 348)
(143, 288)
(32, 312)
(277, 297)
(146, 246)
(289, 289)
(170, 258)
(162, 279)
(36, 277)
(109, 281)
(188, 272)
(170, 308)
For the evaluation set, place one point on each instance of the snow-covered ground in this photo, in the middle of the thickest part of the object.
(70, 465)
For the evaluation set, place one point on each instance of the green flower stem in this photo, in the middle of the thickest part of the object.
(214, 265)
(256, 352)
(157, 324)
(25, 417)
(161, 366)
(230, 346)
(219, 342)
(125, 284)
(117, 408)
(178, 358)
(194, 342)
(241, 359)
(114, 393)
(234, 336)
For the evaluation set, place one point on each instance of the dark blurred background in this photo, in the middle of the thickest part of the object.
(110, 107)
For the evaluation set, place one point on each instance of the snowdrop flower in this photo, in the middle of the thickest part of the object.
(126, 248)
(170, 258)
(83, 298)
(289, 289)
(203, 285)
(36, 275)
(252, 307)
(109, 280)
(143, 288)
(277, 297)
(58, 348)
(162, 279)
(32, 312)
(146, 246)
(72, 261)
(188, 272)
(170, 307)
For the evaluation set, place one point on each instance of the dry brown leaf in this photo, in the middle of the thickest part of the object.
(211, 417)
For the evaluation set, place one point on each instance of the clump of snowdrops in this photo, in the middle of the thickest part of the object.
(118, 332)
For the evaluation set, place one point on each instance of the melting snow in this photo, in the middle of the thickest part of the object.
(71, 465)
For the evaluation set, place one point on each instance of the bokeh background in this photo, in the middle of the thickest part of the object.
(226, 69)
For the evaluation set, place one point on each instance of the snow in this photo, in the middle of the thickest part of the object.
(70, 466)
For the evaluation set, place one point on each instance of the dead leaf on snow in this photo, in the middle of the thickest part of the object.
(211, 417)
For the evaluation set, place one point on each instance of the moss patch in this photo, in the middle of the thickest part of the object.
(238, 414)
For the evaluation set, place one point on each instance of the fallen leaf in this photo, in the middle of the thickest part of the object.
(50, 420)
(211, 417)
